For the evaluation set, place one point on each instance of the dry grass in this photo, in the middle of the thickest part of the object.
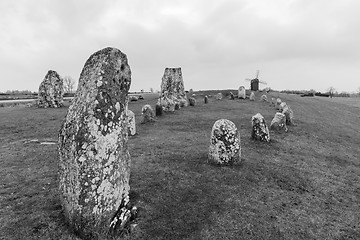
(304, 184)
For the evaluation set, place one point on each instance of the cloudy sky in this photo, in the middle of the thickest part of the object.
(296, 44)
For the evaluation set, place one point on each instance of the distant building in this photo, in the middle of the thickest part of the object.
(254, 84)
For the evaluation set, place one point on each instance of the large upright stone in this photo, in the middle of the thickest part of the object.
(260, 130)
(279, 122)
(172, 89)
(242, 92)
(225, 146)
(94, 166)
(51, 91)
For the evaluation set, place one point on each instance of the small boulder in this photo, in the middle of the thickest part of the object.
(288, 114)
(277, 104)
(260, 130)
(252, 96)
(219, 96)
(279, 122)
(133, 98)
(282, 106)
(264, 98)
(147, 114)
(192, 101)
(225, 146)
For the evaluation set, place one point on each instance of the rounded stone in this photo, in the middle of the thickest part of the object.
(147, 114)
(279, 122)
(288, 114)
(225, 146)
(192, 101)
(264, 98)
(131, 122)
(242, 92)
(219, 96)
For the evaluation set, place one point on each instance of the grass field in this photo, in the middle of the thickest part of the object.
(304, 184)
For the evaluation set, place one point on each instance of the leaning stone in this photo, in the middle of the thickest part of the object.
(225, 146)
(131, 122)
(94, 163)
(206, 99)
(260, 130)
(192, 101)
(279, 122)
(51, 91)
(288, 114)
(252, 96)
(219, 96)
(264, 98)
(231, 96)
(147, 114)
(242, 92)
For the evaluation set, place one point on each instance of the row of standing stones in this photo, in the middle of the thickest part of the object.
(94, 162)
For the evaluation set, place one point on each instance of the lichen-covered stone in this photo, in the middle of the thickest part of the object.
(252, 96)
(242, 92)
(260, 130)
(277, 104)
(147, 114)
(279, 122)
(264, 98)
(172, 89)
(225, 146)
(158, 110)
(231, 96)
(51, 91)
(219, 96)
(131, 122)
(288, 114)
(192, 101)
(94, 164)
(206, 99)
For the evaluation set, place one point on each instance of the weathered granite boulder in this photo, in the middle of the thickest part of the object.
(277, 104)
(242, 92)
(131, 122)
(279, 122)
(252, 96)
(192, 101)
(94, 164)
(225, 146)
(231, 96)
(147, 114)
(260, 130)
(172, 89)
(51, 91)
(219, 96)
(288, 114)
(206, 99)
(264, 98)
(158, 110)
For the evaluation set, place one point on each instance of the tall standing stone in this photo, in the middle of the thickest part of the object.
(206, 99)
(51, 91)
(225, 146)
(172, 89)
(260, 131)
(242, 92)
(94, 166)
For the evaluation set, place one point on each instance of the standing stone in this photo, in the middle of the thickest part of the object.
(219, 96)
(288, 114)
(242, 92)
(273, 101)
(172, 89)
(252, 96)
(278, 102)
(225, 146)
(206, 99)
(279, 122)
(192, 101)
(260, 130)
(191, 92)
(158, 110)
(94, 164)
(177, 106)
(264, 98)
(147, 114)
(282, 106)
(51, 91)
(131, 122)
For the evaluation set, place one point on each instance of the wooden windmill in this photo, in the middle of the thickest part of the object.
(254, 83)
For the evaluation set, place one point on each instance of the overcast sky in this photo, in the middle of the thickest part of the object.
(296, 44)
